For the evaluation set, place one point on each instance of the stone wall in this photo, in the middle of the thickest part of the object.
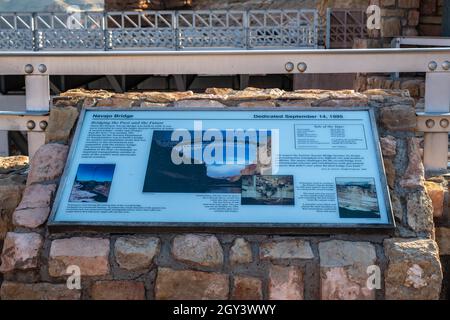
(431, 18)
(232, 265)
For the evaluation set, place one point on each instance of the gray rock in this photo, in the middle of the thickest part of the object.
(202, 250)
(241, 252)
(287, 249)
(414, 270)
(419, 212)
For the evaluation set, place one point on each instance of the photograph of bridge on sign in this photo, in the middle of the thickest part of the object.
(224, 150)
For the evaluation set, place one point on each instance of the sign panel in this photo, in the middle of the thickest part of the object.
(234, 167)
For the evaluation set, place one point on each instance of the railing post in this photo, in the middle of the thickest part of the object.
(437, 100)
(328, 29)
(37, 95)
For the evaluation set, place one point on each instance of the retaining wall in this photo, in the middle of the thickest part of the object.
(229, 266)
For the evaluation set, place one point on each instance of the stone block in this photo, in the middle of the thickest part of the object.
(11, 188)
(37, 291)
(37, 196)
(436, 192)
(443, 240)
(200, 250)
(419, 210)
(21, 251)
(414, 271)
(31, 218)
(409, 4)
(414, 176)
(47, 163)
(198, 103)
(286, 283)
(398, 118)
(391, 27)
(241, 252)
(286, 249)
(118, 290)
(91, 255)
(246, 288)
(190, 285)
(136, 253)
(61, 122)
(343, 270)
(388, 146)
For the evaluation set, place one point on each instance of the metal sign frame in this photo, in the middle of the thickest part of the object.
(270, 228)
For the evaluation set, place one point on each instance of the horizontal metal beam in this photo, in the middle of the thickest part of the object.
(422, 41)
(10, 121)
(225, 62)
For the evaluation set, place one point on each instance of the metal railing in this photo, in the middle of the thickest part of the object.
(344, 26)
(165, 30)
(37, 67)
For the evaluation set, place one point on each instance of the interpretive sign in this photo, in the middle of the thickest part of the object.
(225, 168)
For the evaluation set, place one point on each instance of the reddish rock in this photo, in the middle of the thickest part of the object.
(200, 250)
(286, 283)
(47, 163)
(436, 192)
(37, 291)
(246, 288)
(388, 146)
(118, 290)
(415, 172)
(336, 285)
(90, 254)
(34, 208)
(31, 218)
(37, 196)
(21, 251)
(343, 270)
(190, 285)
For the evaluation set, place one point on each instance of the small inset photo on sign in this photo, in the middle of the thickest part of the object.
(267, 190)
(357, 198)
(92, 183)
(192, 174)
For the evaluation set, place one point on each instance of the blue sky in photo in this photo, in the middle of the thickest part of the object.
(95, 172)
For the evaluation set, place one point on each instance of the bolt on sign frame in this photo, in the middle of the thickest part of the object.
(435, 62)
